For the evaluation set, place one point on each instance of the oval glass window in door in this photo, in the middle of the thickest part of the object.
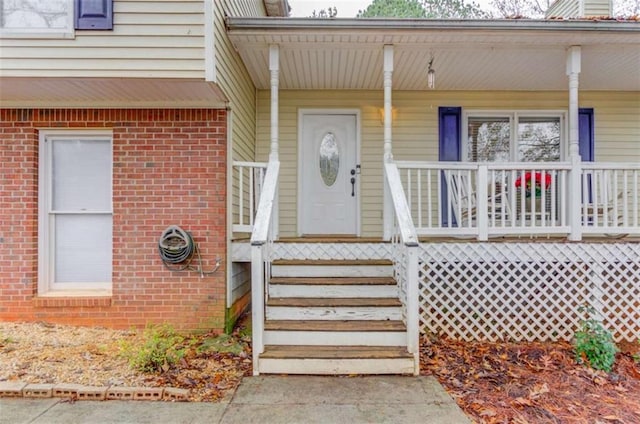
(329, 159)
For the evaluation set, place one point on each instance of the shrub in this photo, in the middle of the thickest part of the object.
(160, 348)
(594, 345)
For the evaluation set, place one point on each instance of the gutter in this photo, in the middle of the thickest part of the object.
(377, 24)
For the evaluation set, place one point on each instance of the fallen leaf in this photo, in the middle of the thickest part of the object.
(523, 401)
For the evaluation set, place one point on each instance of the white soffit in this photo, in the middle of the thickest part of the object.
(480, 59)
(108, 92)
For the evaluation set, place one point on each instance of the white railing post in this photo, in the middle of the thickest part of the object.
(413, 318)
(575, 200)
(482, 182)
(260, 258)
(409, 242)
(257, 303)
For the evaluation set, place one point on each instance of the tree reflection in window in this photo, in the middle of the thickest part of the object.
(329, 159)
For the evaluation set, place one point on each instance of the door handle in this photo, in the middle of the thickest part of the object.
(353, 182)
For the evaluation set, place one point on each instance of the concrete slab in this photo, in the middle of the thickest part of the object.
(264, 399)
(371, 399)
(20, 410)
(112, 412)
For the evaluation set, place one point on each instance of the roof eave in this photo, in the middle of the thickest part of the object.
(377, 24)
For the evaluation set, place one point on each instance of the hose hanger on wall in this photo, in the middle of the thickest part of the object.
(177, 250)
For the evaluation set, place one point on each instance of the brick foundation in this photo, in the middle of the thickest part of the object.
(169, 168)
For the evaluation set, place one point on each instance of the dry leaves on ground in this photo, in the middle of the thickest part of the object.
(492, 382)
(533, 383)
(211, 368)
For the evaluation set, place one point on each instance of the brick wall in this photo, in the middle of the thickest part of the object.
(169, 168)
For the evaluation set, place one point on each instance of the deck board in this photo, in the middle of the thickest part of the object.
(332, 262)
(342, 325)
(304, 302)
(334, 281)
(334, 352)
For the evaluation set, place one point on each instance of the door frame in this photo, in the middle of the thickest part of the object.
(301, 114)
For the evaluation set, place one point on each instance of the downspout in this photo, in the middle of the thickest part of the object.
(209, 43)
(573, 71)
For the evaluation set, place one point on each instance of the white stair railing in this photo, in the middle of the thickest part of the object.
(405, 240)
(261, 247)
(248, 180)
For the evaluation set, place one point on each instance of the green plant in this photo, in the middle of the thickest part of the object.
(160, 348)
(594, 344)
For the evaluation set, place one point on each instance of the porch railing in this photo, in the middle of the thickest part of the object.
(497, 199)
(610, 198)
(405, 240)
(247, 180)
(261, 248)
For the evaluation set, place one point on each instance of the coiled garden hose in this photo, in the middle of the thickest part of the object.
(177, 249)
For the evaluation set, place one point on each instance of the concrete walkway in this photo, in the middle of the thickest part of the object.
(264, 399)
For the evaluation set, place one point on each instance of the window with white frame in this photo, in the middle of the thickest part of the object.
(23, 17)
(76, 216)
(514, 136)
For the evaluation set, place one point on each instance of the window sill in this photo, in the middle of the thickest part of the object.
(73, 299)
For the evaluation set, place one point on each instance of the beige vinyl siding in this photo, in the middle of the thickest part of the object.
(415, 133)
(579, 8)
(617, 125)
(236, 84)
(597, 8)
(564, 8)
(150, 39)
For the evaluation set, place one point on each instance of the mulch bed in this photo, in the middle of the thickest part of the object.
(534, 382)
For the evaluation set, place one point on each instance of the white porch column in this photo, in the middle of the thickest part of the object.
(573, 71)
(274, 69)
(387, 210)
(388, 72)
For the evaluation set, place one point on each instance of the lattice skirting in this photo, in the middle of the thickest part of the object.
(241, 251)
(528, 291)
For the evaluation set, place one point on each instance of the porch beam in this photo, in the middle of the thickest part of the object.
(573, 72)
(274, 69)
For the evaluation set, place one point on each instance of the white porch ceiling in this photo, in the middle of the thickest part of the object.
(511, 57)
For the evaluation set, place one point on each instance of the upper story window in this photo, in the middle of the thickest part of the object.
(514, 136)
(37, 17)
(53, 18)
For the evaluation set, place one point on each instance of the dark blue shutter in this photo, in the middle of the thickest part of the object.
(449, 146)
(586, 139)
(94, 14)
(586, 134)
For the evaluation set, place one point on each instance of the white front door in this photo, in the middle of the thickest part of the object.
(328, 174)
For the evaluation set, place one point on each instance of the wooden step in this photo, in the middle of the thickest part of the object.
(335, 281)
(335, 352)
(325, 269)
(332, 262)
(333, 287)
(335, 332)
(335, 360)
(330, 239)
(311, 302)
(334, 325)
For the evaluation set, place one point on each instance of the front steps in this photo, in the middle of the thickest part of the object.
(334, 317)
